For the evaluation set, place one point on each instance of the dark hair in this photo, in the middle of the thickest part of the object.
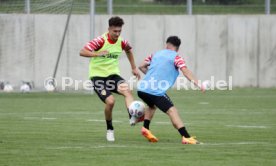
(174, 40)
(116, 21)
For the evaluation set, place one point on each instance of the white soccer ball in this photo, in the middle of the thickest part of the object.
(136, 109)
(25, 88)
(50, 87)
(206, 84)
(8, 88)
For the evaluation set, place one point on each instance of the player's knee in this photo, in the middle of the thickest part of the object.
(110, 101)
(171, 112)
(175, 119)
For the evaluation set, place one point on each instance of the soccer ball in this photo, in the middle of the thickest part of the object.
(8, 88)
(25, 87)
(206, 84)
(50, 87)
(136, 109)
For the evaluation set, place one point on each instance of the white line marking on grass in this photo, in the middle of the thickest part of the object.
(44, 118)
(49, 113)
(165, 123)
(152, 147)
(246, 126)
(38, 118)
(109, 146)
(237, 143)
(203, 103)
(65, 147)
(30, 118)
(222, 112)
(95, 120)
(87, 147)
(99, 120)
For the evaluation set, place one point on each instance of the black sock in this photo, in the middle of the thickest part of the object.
(184, 132)
(146, 123)
(109, 125)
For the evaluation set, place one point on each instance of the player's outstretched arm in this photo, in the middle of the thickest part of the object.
(144, 67)
(130, 57)
(189, 75)
(89, 54)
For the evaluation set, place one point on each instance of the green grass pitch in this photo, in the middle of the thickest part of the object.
(67, 129)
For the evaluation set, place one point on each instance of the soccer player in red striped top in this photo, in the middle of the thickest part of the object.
(104, 52)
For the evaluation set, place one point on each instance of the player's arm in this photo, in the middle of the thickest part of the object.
(144, 67)
(180, 64)
(127, 48)
(86, 53)
(189, 75)
(90, 49)
(132, 64)
(145, 64)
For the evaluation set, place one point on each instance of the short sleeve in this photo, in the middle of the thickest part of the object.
(179, 62)
(125, 45)
(95, 44)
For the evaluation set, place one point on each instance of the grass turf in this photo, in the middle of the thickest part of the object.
(237, 128)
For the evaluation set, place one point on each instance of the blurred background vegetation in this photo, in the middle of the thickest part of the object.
(140, 6)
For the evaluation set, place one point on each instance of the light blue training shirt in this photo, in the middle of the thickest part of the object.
(161, 74)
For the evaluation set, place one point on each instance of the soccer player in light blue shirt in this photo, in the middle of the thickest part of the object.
(161, 70)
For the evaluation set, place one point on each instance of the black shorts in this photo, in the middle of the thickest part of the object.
(164, 103)
(104, 86)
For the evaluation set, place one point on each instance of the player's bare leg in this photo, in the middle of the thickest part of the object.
(175, 118)
(178, 124)
(149, 112)
(109, 104)
(124, 90)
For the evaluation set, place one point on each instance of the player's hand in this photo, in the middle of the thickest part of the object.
(202, 89)
(136, 73)
(102, 53)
